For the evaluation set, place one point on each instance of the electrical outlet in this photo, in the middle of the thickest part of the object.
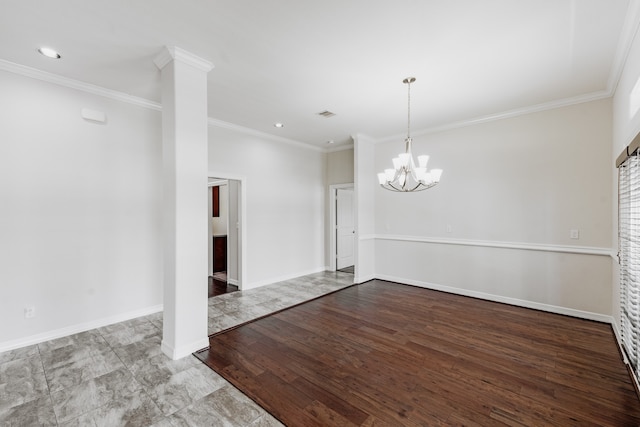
(29, 312)
(449, 228)
(574, 234)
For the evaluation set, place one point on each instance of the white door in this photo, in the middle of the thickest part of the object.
(345, 228)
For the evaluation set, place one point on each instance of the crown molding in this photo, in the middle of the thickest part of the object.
(252, 132)
(358, 136)
(558, 103)
(628, 33)
(340, 148)
(551, 105)
(163, 58)
(627, 36)
(78, 85)
(48, 77)
(174, 53)
(145, 103)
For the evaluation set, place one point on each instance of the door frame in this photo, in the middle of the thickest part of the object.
(333, 194)
(242, 271)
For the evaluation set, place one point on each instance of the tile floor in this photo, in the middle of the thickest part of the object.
(117, 376)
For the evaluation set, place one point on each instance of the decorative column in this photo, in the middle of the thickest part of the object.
(184, 207)
(364, 157)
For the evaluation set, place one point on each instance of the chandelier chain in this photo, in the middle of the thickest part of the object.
(409, 109)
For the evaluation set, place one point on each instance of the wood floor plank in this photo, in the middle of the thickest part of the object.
(387, 354)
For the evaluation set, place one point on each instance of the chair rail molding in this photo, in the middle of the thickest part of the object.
(581, 250)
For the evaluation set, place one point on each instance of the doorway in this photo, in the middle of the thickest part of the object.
(226, 221)
(342, 236)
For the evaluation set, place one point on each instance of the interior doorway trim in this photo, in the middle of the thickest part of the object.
(243, 219)
(333, 194)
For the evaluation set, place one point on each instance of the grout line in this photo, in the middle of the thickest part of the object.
(44, 372)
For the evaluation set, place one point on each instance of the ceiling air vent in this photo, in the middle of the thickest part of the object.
(326, 114)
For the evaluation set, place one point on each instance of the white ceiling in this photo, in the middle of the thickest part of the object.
(287, 60)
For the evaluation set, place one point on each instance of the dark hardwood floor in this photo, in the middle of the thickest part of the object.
(218, 287)
(387, 354)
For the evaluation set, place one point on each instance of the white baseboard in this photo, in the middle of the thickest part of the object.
(184, 350)
(598, 317)
(362, 279)
(75, 329)
(273, 280)
(616, 332)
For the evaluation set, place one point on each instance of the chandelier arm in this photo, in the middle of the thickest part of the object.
(433, 184)
(390, 185)
(422, 187)
(419, 187)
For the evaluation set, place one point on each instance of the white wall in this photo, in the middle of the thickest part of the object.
(340, 167)
(626, 125)
(80, 219)
(517, 184)
(80, 209)
(285, 194)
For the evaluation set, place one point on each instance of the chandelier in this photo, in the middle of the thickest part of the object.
(405, 176)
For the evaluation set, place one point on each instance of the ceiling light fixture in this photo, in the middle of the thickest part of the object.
(278, 125)
(405, 176)
(49, 53)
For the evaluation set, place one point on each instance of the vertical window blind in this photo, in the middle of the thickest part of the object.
(629, 256)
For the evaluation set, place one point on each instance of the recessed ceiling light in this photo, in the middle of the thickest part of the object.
(278, 125)
(331, 141)
(49, 53)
